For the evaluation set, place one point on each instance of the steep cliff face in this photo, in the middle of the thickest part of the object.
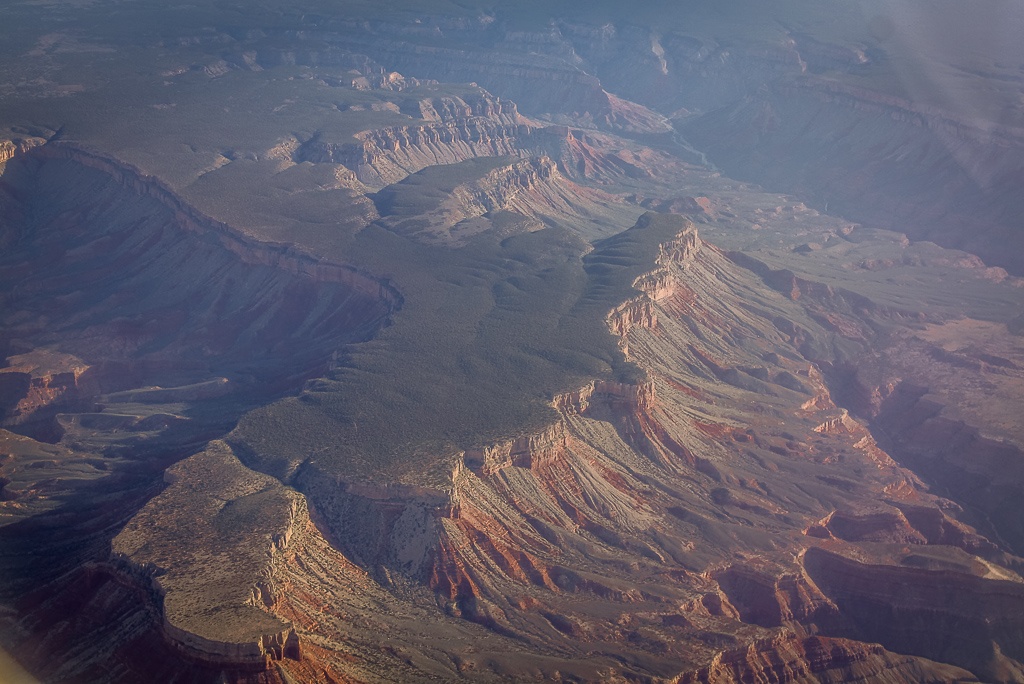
(206, 273)
(947, 616)
(423, 533)
(502, 199)
(479, 103)
(37, 384)
(533, 533)
(207, 547)
(648, 531)
(788, 658)
(155, 610)
(714, 508)
(767, 595)
(9, 149)
(770, 102)
(171, 297)
(915, 396)
(657, 285)
(904, 523)
(384, 156)
(388, 528)
(769, 600)
(939, 445)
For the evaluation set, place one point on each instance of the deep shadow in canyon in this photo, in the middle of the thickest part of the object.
(353, 348)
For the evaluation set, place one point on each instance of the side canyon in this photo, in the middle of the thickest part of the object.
(508, 344)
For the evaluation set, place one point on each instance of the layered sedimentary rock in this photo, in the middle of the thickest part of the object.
(947, 616)
(380, 157)
(11, 148)
(680, 516)
(502, 200)
(383, 156)
(172, 295)
(654, 502)
(787, 658)
(781, 94)
(536, 513)
(42, 382)
(771, 600)
(208, 546)
(655, 286)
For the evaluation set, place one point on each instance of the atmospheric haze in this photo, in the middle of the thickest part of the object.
(540, 341)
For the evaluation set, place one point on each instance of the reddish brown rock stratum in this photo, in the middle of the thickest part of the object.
(648, 522)
(312, 371)
(675, 527)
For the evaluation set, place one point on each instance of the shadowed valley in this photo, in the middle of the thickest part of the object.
(547, 342)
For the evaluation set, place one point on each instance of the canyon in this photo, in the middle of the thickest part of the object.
(561, 343)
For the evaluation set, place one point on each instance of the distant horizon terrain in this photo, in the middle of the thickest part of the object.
(465, 340)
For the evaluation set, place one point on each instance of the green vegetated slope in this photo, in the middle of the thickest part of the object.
(487, 335)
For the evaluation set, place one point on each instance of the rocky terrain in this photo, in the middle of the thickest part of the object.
(477, 342)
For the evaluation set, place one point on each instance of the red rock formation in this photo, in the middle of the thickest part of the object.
(383, 156)
(943, 615)
(524, 452)
(655, 286)
(40, 383)
(788, 658)
(771, 600)
(11, 148)
(213, 591)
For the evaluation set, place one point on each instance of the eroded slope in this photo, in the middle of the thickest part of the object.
(495, 483)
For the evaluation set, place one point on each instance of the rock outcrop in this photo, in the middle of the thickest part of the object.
(788, 658)
(519, 196)
(770, 600)
(9, 149)
(37, 384)
(716, 491)
(525, 452)
(947, 616)
(383, 156)
(208, 547)
(657, 517)
(655, 286)
(903, 523)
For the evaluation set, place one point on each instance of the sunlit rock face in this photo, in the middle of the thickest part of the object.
(376, 344)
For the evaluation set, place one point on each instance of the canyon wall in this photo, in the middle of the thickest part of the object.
(250, 251)
(951, 617)
(207, 547)
(953, 189)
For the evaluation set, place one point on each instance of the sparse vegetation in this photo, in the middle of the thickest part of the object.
(488, 334)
